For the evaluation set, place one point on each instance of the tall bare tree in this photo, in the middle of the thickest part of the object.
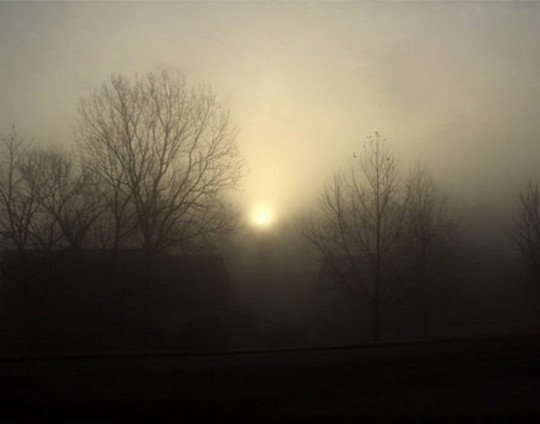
(526, 229)
(358, 228)
(68, 205)
(19, 197)
(430, 232)
(47, 200)
(164, 154)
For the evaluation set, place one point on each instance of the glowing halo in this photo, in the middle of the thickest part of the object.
(262, 217)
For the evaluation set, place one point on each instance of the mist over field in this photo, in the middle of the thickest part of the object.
(298, 91)
(274, 210)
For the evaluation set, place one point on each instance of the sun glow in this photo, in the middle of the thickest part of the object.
(262, 216)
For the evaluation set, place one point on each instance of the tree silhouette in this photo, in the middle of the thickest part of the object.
(67, 198)
(164, 155)
(429, 233)
(47, 201)
(19, 197)
(526, 229)
(358, 228)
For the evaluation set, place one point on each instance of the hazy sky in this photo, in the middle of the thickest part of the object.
(454, 84)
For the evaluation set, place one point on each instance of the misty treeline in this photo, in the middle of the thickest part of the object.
(525, 232)
(383, 234)
(150, 168)
(388, 234)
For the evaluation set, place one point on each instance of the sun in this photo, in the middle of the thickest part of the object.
(262, 217)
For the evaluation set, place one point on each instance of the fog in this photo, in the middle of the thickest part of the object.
(453, 85)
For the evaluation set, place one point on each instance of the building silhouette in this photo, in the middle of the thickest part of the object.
(100, 301)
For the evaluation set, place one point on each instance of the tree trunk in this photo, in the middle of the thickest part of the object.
(375, 334)
(426, 316)
(148, 305)
(377, 278)
(376, 330)
(426, 310)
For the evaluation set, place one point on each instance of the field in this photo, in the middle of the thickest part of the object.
(483, 380)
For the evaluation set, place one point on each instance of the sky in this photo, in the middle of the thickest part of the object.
(454, 85)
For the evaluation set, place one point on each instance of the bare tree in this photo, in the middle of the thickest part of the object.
(526, 229)
(47, 201)
(358, 228)
(68, 205)
(164, 154)
(19, 197)
(430, 231)
(117, 221)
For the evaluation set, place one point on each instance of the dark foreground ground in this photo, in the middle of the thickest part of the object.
(487, 380)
